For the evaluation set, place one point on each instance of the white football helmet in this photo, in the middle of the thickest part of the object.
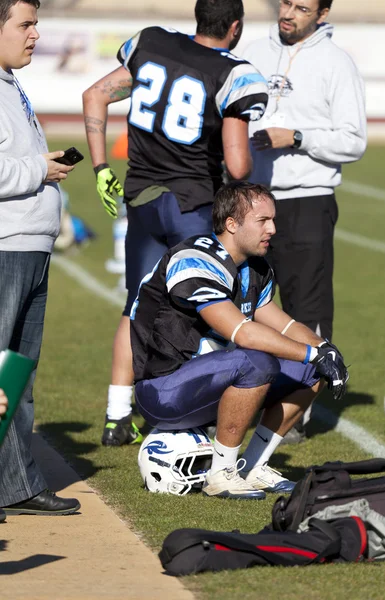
(174, 462)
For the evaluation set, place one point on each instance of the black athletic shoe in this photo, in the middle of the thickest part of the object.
(122, 431)
(3, 516)
(45, 503)
(296, 435)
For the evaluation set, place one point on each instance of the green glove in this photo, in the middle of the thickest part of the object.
(108, 186)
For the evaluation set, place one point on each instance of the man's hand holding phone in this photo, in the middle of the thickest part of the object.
(56, 171)
(61, 163)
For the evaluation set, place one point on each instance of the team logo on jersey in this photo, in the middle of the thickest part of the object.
(279, 86)
(205, 294)
(246, 308)
(255, 112)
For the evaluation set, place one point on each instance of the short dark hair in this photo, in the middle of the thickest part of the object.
(234, 200)
(215, 17)
(324, 4)
(6, 5)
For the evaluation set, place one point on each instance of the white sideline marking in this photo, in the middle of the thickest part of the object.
(355, 433)
(360, 189)
(85, 279)
(359, 240)
(354, 238)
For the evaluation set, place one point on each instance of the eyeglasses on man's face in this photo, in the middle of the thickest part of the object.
(298, 8)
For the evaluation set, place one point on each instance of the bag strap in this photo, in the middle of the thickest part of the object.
(334, 547)
(301, 502)
(362, 467)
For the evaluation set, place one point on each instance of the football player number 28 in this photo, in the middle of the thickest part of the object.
(183, 115)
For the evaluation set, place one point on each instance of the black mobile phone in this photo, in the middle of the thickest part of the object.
(71, 157)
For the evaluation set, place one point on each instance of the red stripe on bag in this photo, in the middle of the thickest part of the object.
(364, 536)
(305, 553)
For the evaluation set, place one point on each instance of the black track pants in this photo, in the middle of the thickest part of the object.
(301, 254)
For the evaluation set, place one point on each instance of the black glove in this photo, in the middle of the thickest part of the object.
(329, 363)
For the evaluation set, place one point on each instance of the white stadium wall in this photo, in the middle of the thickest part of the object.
(73, 54)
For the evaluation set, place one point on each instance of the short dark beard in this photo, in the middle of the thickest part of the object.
(296, 36)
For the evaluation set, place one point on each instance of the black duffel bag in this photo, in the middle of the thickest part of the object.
(188, 551)
(327, 485)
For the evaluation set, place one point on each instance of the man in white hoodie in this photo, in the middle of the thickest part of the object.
(315, 121)
(29, 224)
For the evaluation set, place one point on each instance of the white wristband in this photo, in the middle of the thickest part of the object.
(287, 326)
(238, 328)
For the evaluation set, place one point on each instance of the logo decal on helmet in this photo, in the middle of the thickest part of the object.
(157, 447)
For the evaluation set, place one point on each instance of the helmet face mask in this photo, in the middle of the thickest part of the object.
(175, 462)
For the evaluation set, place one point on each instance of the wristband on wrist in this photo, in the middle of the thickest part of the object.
(101, 167)
(311, 353)
(307, 357)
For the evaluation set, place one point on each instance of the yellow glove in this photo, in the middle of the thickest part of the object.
(108, 186)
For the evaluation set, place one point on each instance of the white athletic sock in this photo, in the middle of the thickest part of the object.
(261, 447)
(223, 457)
(119, 401)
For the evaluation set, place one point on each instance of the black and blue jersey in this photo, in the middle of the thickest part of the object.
(166, 328)
(181, 93)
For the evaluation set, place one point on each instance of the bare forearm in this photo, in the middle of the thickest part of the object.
(95, 120)
(255, 336)
(236, 150)
(116, 86)
(241, 168)
(300, 333)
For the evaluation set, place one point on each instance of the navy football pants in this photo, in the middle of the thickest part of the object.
(153, 228)
(189, 397)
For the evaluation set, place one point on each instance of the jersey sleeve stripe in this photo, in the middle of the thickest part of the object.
(265, 295)
(192, 273)
(205, 260)
(242, 90)
(239, 78)
(127, 50)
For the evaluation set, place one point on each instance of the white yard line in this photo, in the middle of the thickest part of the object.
(366, 191)
(359, 240)
(359, 189)
(356, 434)
(353, 432)
(86, 280)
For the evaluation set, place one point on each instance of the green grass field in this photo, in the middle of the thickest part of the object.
(75, 369)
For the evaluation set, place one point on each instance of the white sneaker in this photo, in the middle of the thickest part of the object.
(227, 483)
(263, 477)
